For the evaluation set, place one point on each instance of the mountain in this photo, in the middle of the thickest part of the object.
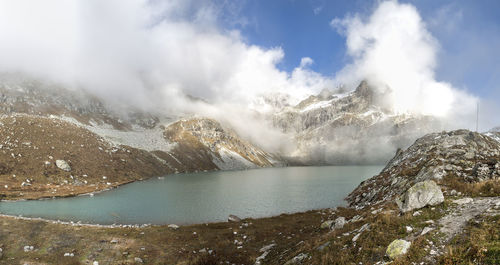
(354, 127)
(103, 148)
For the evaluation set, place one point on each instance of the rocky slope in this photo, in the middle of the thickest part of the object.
(42, 123)
(353, 127)
(454, 159)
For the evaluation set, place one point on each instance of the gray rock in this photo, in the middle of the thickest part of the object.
(297, 259)
(138, 260)
(265, 250)
(233, 218)
(340, 222)
(397, 248)
(323, 246)
(463, 201)
(420, 195)
(63, 165)
(426, 230)
(173, 226)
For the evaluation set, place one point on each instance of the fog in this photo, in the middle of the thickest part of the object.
(144, 53)
(155, 55)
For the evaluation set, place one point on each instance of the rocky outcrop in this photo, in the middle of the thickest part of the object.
(213, 146)
(420, 195)
(461, 155)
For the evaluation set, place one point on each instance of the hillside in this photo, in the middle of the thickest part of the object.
(104, 148)
(453, 221)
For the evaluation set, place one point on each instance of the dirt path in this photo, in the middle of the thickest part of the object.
(467, 209)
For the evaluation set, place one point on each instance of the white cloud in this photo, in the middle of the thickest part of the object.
(143, 52)
(393, 50)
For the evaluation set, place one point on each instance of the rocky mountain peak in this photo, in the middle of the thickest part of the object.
(364, 90)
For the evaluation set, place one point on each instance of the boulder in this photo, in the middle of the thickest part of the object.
(63, 165)
(233, 218)
(420, 195)
(397, 248)
(340, 222)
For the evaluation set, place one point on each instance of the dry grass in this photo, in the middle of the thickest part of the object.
(479, 245)
(485, 188)
(30, 145)
(157, 244)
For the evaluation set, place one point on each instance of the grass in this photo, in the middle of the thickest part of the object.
(371, 245)
(480, 244)
(487, 188)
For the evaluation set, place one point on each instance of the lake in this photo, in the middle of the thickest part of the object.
(205, 197)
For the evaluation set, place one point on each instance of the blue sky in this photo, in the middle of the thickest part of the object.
(468, 32)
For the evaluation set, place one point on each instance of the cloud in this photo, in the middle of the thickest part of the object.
(317, 10)
(144, 53)
(393, 49)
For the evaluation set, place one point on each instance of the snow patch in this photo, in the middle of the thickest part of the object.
(232, 160)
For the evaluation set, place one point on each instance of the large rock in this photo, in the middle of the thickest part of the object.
(63, 165)
(233, 218)
(340, 222)
(420, 195)
(397, 248)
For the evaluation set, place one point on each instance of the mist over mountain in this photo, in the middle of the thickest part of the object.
(164, 61)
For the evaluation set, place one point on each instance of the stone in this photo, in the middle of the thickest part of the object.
(340, 222)
(409, 229)
(233, 218)
(28, 248)
(323, 246)
(95, 263)
(420, 195)
(69, 254)
(463, 201)
(355, 238)
(267, 248)
(426, 230)
(297, 259)
(327, 224)
(173, 226)
(63, 165)
(138, 260)
(397, 248)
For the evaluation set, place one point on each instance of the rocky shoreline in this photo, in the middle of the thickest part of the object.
(437, 202)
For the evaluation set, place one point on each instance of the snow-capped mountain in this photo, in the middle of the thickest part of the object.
(352, 127)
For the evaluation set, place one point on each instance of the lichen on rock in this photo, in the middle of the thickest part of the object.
(420, 195)
(397, 248)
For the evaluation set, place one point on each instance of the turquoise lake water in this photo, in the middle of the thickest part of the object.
(205, 197)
